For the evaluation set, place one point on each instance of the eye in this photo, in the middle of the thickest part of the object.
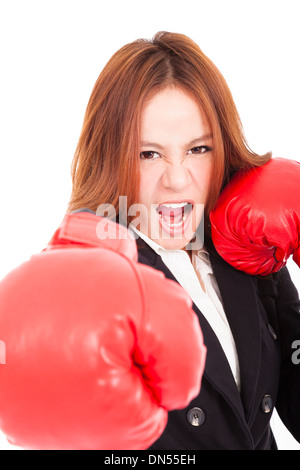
(199, 150)
(149, 155)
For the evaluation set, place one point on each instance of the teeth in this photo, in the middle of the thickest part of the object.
(175, 205)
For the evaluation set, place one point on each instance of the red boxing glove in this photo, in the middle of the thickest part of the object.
(255, 225)
(98, 346)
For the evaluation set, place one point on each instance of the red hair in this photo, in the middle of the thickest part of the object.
(106, 161)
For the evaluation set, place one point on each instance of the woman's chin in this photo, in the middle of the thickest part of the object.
(173, 244)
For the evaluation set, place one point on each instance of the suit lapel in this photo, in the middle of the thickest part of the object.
(239, 300)
(240, 304)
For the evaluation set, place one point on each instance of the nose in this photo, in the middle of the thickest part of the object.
(176, 177)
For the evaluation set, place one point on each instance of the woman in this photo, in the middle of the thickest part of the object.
(161, 129)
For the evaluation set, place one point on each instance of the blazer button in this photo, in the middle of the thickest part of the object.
(266, 404)
(196, 416)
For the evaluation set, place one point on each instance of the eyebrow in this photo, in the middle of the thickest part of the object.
(189, 144)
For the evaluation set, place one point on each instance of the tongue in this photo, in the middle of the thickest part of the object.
(171, 215)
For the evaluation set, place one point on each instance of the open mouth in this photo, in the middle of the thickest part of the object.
(174, 217)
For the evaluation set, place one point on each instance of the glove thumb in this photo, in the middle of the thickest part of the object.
(296, 256)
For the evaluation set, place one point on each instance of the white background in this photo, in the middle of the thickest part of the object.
(51, 55)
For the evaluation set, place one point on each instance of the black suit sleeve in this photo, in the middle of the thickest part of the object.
(288, 316)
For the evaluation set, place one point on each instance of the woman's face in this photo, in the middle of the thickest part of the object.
(175, 167)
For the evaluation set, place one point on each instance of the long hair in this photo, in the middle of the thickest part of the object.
(106, 161)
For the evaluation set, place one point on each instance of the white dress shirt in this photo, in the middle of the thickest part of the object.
(208, 300)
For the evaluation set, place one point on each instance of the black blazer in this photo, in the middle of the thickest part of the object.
(264, 318)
